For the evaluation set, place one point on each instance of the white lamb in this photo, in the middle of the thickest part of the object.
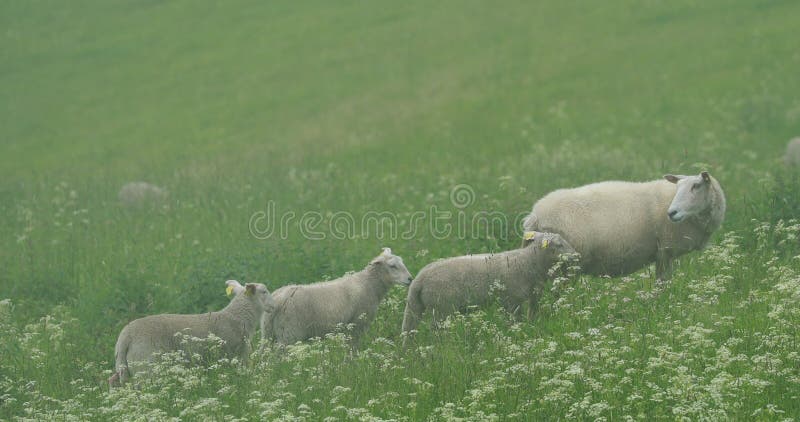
(619, 227)
(454, 284)
(792, 156)
(313, 310)
(135, 194)
(141, 340)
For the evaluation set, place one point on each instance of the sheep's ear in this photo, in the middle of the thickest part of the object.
(385, 253)
(706, 177)
(233, 287)
(672, 178)
(249, 289)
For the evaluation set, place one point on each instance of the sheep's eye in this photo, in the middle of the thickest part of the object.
(392, 266)
(696, 185)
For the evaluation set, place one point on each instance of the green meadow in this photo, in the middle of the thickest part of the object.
(361, 125)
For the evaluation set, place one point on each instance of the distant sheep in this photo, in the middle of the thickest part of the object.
(313, 310)
(140, 193)
(142, 339)
(619, 227)
(792, 156)
(454, 284)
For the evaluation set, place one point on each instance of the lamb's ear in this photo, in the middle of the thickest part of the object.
(706, 177)
(249, 289)
(233, 287)
(382, 257)
(672, 178)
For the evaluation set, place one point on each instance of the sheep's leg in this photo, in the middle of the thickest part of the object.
(664, 266)
(353, 342)
(533, 307)
(437, 318)
(411, 315)
(513, 307)
(533, 302)
(114, 381)
(279, 350)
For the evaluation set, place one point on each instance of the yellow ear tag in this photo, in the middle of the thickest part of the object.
(545, 243)
(528, 235)
(229, 290)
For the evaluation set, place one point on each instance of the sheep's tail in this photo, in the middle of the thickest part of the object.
(531, 222)
(414, 310)
(121, 372)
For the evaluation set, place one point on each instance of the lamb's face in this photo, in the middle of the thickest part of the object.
(260, 295)
(393, 267)
(694, 196)
(256, 292)
(550, 246)
(553, 245)
(398, 271)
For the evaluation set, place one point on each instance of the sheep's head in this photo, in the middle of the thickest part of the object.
(256, 292)
(392, 267)
(552, 244)
(554, 252)
(694, 196)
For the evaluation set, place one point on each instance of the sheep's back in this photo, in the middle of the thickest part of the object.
(611, 224)
(157, 333)
(304, 311)
(462, 280)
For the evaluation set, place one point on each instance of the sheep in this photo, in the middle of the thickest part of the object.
(306, 311)
(792, 156)
(142, 339)
(619, 227)
(135, 194)
(454, 284)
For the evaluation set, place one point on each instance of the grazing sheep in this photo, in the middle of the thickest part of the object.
(313, 310)
(619, 227)
(792, 156)
(135, 194)
(141, 339)
(454, 284)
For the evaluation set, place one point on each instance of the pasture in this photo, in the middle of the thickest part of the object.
(298, 138)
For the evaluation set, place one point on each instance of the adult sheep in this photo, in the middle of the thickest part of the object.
(136, 194)
(141, 341)
(313, 310)
(619, 227)
(792, 156)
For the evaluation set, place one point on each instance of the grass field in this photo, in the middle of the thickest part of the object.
(352, 108)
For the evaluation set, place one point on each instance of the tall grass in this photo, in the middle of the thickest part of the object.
(359, 108)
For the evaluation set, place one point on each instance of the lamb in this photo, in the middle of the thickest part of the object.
(619, 227)
(135, 194)
(454, 284)
(306, 311)
(142, 339)
(792, 156)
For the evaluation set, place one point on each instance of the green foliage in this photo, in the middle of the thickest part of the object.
(371, 107)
